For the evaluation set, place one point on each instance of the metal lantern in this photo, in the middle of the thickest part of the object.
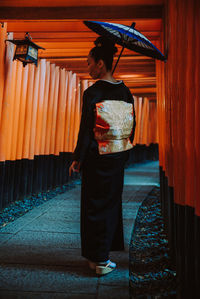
(26, 51)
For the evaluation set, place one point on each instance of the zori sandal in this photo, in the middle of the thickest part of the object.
(102, 268)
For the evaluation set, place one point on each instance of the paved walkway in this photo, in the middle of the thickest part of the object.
(40, 251)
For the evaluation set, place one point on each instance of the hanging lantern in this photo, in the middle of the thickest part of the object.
(26, 51)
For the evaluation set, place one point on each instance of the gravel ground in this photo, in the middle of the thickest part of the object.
(21, 207)
(151, 270)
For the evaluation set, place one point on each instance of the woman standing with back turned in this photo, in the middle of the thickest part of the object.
(105, 136)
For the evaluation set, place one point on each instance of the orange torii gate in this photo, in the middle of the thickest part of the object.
(178, 120)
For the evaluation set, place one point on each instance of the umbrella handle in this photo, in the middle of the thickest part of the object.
(118, 60)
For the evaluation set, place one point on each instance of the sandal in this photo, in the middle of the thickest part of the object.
(105, 269)
(102, 268)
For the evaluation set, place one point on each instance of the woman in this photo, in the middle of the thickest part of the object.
(105, 136)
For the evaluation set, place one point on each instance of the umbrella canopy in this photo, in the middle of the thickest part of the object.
(126, 36)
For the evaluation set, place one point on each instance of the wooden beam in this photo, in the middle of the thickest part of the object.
(76, 3)
(74, 52)
(133, 57)
(145, 90)
(122, 70)
(143, 94)
(75, 26)
(73, 36)
(82, 12)
(140, 84)
(85, 75)
(74, 45)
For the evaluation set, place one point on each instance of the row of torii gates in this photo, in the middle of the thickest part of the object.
(40, 107)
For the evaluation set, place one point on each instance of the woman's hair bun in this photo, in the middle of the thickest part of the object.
(106, 44)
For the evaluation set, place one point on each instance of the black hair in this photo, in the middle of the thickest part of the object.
(104, 49)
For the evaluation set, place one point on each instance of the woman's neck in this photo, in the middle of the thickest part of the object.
(108, 77)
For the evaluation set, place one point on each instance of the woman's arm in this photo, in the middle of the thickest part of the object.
(131, 99)
(84, 136)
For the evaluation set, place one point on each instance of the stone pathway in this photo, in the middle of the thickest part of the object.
(40, 251)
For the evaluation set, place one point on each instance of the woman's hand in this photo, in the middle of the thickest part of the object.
(75, 166)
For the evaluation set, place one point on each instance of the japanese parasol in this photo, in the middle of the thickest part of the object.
(126, 36)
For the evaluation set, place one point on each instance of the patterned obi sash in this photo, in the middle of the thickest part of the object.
(113, 126)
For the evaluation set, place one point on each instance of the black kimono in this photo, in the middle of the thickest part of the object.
(102, 163)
